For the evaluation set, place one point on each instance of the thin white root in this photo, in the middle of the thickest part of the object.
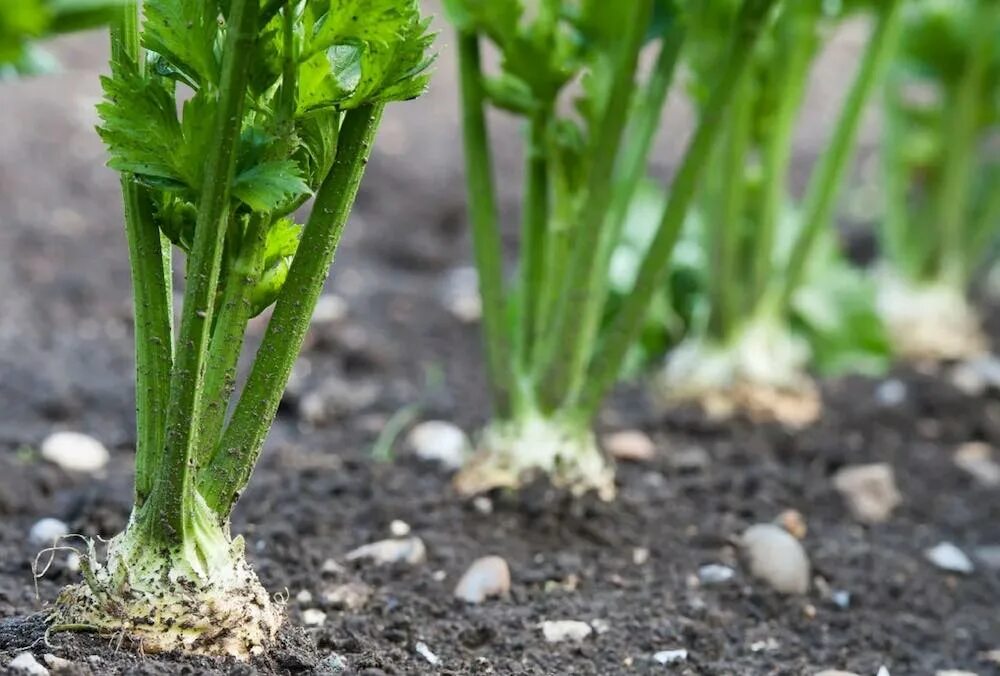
(762, 374)
(932, 321)
(510, 452)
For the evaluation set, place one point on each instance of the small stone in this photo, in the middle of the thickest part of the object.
(834, 672)
(441, 442)
(439, 576)
(989, 556)
(841, 599)
(640, 555)
(630, 446)
(410, 550)
(331, 664)
(947, 556)
(870, 491)
(352, 596)
(75, 452)
(715, 573)
(565, 630)
(975, 376)
(330, 308)
(954, 672)
(793, 521)
(399, 529)
(94, 659)
(25, 663)
(891, 393)
(46, 532)
(777, 558)
(304, 597)
(600, 626)
(57, 664)
(331, 567)
(426, 653)
(73, 562)
(671, 656)
(313, 617)
(689, 460)
(991, 656)
(337, 398)
(976, 459)
(482, 504)
(486, 577)
(459, 293)
(883, 671)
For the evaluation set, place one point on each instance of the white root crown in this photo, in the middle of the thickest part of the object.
(511, 451)
(931, 321)
(761, 372)
(201, 598)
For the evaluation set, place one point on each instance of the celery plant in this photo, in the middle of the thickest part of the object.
(550, 361)
(775, 295)
(281, 101)
(22, 22)
(942, 175)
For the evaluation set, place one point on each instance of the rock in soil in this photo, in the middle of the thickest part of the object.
(565, 630)
(75, 452)
(486, 577)
(777, 558)
(57, 664)
(793, 521)
(715, 573)
(629, 446)
(410, 550)
(441, 442)
(870, 491)
(424, 651)
(976, 459)
(835, 672)
(459, 292)
(313, 617)
(350, 596)
(46, 532)
(947, 556)
(25, 663)
(671, 656)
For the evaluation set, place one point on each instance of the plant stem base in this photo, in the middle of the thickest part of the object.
(510, 452)
(761, 373)
(180, 600)
(932, 321)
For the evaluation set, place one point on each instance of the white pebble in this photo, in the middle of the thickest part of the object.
(891, 393)
(73, 562)
(305, 596)
(630, 446)
(671, 656)
(954, 672)
(600, 626)
(870, 491)
(640, 555)
(352, 595)
(441, 442)
(486, 577)
(313, 617)
(56, 663)
(715, 573)
(25, 663)
(45, 532)
(883, 671)
(947, 556)
(834, 672)
(75, 452)
(460, 294)
(777, 558)
(411, 550)
(426, 653)
(976, 459)
(399, 529)
(482, 504)
(565, 630)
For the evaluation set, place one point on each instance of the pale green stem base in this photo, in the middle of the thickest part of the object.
(200, 598)
(510, 452)
(761, 371)
(929, 320)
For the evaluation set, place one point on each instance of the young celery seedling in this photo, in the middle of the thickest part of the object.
(550, 361)
(281, 100)
(942, 176)
(22, 22)
(775, 295)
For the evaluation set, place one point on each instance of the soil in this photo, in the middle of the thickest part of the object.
(65, 363)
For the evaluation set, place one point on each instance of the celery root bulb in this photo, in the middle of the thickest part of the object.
(511, 451)
(933, 321)
(201, 597)
(761, 371)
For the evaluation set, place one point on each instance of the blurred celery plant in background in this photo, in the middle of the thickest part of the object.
(22, 22)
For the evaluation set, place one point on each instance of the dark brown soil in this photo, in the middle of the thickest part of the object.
(65, 363)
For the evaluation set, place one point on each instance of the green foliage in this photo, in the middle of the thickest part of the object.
(336, 63)
(24, 21)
